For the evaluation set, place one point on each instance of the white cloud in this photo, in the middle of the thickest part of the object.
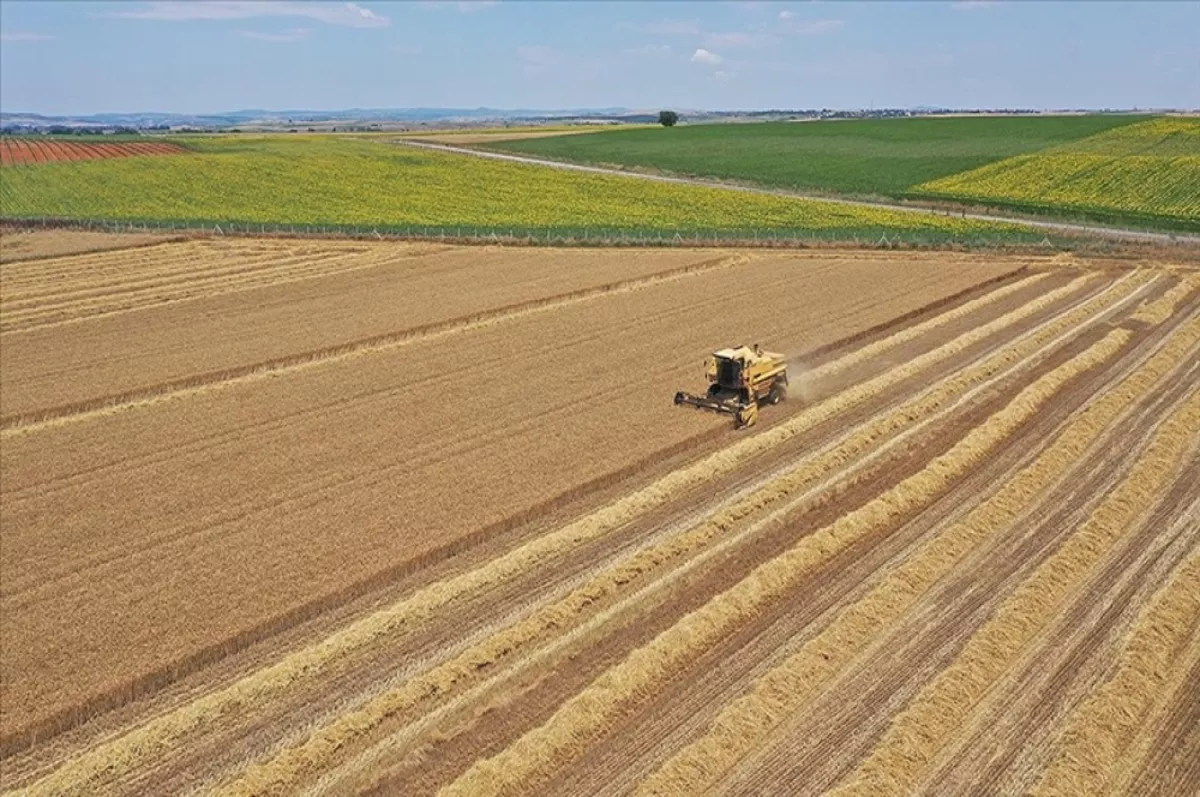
(971, 5)
(722, 75)
(293, 35)
(25, 37)
(350, 15)
(786, 15)
(702, 56)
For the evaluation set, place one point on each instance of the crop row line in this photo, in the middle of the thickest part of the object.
(235, 272)
(1089, 749)
(291, 765)
(786, 689)
(157, 736)
(22, 314)
(77, 276)
(1161, 309)
(187, 254)
(900, 759)
(587, 714)
(215, 380)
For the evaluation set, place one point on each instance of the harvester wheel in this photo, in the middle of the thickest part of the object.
(778, 393)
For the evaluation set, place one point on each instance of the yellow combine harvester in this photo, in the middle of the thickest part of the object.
(739, 380)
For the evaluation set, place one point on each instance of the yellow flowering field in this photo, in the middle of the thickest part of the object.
(1148, 171)
(348, 182)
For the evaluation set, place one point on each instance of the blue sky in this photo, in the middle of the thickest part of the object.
(63, 57)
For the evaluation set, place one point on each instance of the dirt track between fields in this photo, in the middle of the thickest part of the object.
(340, 541)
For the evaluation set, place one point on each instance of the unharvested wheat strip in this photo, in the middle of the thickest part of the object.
(584, 717)
(1161, 309)
(782, 692)
(1090, 749)
(33, 422)
(290, 766)
(153, 739)
(900, 760)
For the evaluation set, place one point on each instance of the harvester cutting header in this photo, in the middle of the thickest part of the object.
(739, 379)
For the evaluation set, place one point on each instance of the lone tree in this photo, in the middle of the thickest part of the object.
(667, 118)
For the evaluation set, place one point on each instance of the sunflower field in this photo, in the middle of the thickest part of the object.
(361, 183)
(1147, 172)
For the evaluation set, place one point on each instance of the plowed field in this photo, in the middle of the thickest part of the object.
(20, 151)
(292, 515)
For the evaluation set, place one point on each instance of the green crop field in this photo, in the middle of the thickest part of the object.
(881, 157)
(1146, 172)
(313, 180)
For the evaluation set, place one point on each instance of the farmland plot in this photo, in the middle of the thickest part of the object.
(23, 244)
(356, 539)
(18, 151)
(1144, 171)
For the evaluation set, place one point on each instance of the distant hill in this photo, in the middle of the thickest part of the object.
(258, 116)
(406, 118)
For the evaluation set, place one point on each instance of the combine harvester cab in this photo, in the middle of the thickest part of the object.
(740, 379)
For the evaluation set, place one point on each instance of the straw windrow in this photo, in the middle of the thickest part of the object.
(1090, 748)
(157, 737)
(902, 758)
(588, 714)
(783, 691)
(1161, 308)
(291, 765)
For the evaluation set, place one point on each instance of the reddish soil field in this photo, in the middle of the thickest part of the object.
(22, 151)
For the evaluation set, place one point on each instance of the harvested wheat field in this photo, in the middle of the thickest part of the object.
(345, 517)
(17, 243)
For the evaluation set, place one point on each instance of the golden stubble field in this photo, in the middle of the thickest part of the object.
(353, 516)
